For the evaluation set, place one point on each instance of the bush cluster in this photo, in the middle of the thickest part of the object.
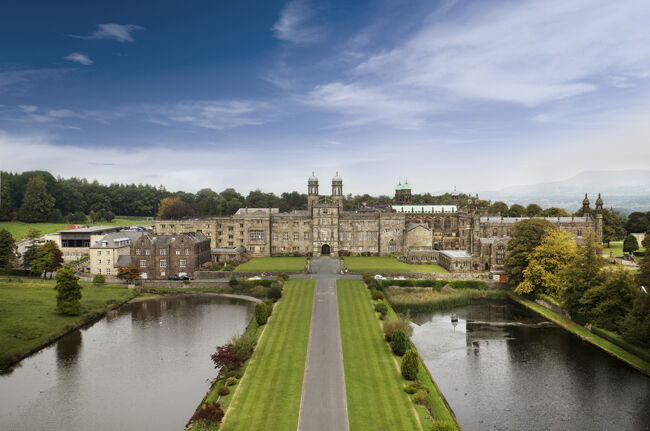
(224, 390)
(392, 325)
(399, 343)
(410, 365)
(208, 414)
(414, 387)
(420, 397)
(99, 279)
(443, 426)
(261, 313)
(377, 295)
(231, 381)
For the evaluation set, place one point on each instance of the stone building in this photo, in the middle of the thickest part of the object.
(160, 256)
(106, 253)
(459, 239)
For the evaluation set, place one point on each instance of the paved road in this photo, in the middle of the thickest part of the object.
(323, 405)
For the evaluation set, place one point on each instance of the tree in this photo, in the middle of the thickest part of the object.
(636, 325)
(174, 209)
(48, 258)
(581, 274)
(410, 364)
(7, 249)
(37, 203)
(68, 298)
(226, 357)
(630, 244)
(30, 252)
(534, 210)
(607, 304)
(261, 313)
(517, 210)
(643, 278)
(555, 212)
(526, 235)
(638, 222)
(613, 229)
(399, 343)
(500, 207)
(128, 273)
(542, 275)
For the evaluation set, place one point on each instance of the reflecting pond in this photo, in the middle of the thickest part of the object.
(144, 366)
(501, 367)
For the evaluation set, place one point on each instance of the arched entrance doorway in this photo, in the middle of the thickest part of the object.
(325, 250)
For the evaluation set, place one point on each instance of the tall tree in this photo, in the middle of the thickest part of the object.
(30, 252)
(543, 273)
(534, 210)
(636, 325)
(526, 235)
(608, 303)
(174, 209)
(516, 210)
(555, 212)
(7, 249)
(68, 297)
(500, 207)
(48, 259)
(128, 273)
(581, 274)
(638, 222)
(630, 244)
(37, 203)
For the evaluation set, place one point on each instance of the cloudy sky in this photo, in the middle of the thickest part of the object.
(257, 94)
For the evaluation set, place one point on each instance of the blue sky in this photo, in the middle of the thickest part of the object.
(478, 94)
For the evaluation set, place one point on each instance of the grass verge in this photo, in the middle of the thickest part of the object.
(423, 299)
(273, 264)
(373, 384)
(384, 264)
(609, 347)
(268, 397)
(28, 320)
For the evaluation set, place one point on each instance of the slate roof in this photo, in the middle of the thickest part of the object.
(123, 260)
(493, 239)
(455, 254)
(113, 239)
(294, 213)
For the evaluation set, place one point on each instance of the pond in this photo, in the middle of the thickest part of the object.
(501, 367)
(145, 365)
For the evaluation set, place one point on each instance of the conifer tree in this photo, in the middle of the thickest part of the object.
(68, 298)
(37, 202)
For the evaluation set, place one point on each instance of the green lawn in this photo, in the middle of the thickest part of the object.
(28, 319)
(19, 229)
(583, 333)
(375, 264)
(269, 393)
(273, 264)
(617, 248)
(373, 384)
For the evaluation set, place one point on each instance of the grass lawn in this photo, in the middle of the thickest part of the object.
(20, 229)
(268, 396)
(273, 264)
(373, 385)
(28, 319)
(617, 248)
(376, 264)
(583, 333)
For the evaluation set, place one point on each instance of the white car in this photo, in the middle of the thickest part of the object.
(254, 278)
(379, 277)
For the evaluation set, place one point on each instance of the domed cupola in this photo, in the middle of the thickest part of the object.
(599, 203)
(585, 203)
(312, 185)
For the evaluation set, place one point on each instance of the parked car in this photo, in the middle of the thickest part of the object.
(379, 277)
(185, 277)
(173, 277)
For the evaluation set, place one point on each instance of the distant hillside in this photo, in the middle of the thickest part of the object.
(627, 190)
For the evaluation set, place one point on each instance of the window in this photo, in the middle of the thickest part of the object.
(256, 235)
(274, 249)
(187, 251)
(372, 248)
(306, 223)
(296, 224)
(163, 263)
(163, 252)
(296, 249)
(241, 224)
(178, 252)
(387, 230)
(182, 263)
(325, 211)
(99, 253)
(108, 271)
(137, 251)
(296, 236)
(494, 232)
(143, 263)
(275, 236)
(359, 236)
(261, 249)
(306, 235)
(147, 251)
(99, 271)
(392, 247)
(230, 243)
(501, 254)
(579, 232)
(447, 224)
(251, 249)
(285, 236)
(372, 236)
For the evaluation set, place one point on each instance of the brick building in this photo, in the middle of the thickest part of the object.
(161, 256)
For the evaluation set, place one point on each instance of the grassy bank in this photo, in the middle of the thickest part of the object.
(268, 396)
(423, 299)
(19, 229)
(273, 264)
(377, 264)
(28, 320)
(609, 347)
(373, 384)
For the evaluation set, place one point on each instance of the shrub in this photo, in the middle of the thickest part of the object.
(244, 344)
(367, 278)
(226, 357)
(237, 374)
(68, 298)
(373, 284)
(233, 282)
(261, 313)
(377, 295)
(382, 308)
(420, 397)
(275, 293)
(399, 343)
(231, 381)
(410, 364)
(283, 277)
(208, 414)
(443, 426)
(392, 325)
(99, 279)
(223, 391)
(414, 387)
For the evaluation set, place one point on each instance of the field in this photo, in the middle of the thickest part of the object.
(375, 264)
(28, 319)
(273, 264)
(373, 383)
(19, 229)
(268, 396)
(617, 248)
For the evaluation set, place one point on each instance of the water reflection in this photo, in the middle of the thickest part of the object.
(143, 366)
(502, 367)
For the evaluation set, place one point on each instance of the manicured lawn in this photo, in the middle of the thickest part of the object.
(377, 264)
(19, 229)
(583, 333)
(28, 319)
(273, 264)
(373, 384)
(617, 248)
(269, 393)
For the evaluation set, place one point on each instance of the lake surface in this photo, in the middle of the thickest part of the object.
(144, 366)
(501, 367)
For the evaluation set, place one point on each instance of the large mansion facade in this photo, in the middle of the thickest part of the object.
(459, 239)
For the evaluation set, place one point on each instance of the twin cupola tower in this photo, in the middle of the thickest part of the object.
(337, 192)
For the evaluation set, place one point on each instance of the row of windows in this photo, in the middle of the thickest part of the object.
(370, 236)
(163, 263)
(108, 271)
(296, 236)
(161, 252)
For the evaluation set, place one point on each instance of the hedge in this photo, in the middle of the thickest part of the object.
(436, 284)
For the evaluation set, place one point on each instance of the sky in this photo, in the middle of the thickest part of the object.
(479, 95)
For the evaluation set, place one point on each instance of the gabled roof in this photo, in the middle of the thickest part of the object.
(117, 239)
(411, 226)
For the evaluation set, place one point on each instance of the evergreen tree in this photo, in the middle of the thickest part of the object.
(6, 208)
(399, 343)
(410, 364)
(636, 326)
(630, 244)
(7, 249)
(526, 235)
(37, 203)
(68, 298)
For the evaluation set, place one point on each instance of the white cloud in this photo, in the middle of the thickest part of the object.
(80, 58)
(296, 24)
(118, 32)
(20, 79)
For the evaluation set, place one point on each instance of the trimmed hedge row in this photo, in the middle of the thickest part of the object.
(618, 340)
(436, 284)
